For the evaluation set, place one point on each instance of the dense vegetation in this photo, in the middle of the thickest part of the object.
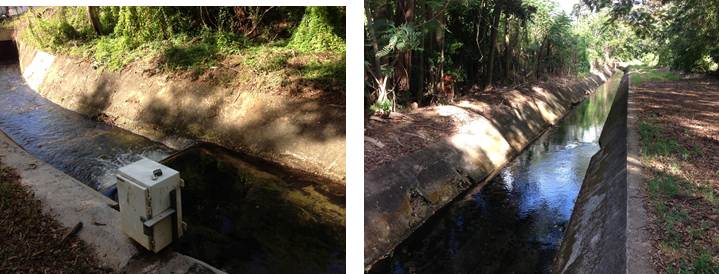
(421, 50)
(682, 35)
(188, 37)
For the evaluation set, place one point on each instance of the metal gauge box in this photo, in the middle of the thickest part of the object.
(150, 203)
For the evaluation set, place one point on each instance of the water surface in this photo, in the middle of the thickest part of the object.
(90, 151)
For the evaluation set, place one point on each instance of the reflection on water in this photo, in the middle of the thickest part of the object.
(245, 218)
(516, 222)
(88, 150)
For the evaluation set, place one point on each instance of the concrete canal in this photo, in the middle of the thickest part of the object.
(516, 222)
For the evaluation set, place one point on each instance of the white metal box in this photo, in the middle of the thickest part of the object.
(150, 205)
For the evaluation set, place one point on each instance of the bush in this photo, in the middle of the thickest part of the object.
(316, 33)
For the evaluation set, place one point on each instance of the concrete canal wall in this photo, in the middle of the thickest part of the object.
(402, 194)
(606, 233)
(300, 133)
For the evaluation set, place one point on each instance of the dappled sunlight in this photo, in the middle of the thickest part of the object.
(481, 135)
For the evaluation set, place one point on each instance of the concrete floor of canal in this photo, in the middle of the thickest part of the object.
(516, 222)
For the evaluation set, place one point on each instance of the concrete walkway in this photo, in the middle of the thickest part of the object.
(69, 202)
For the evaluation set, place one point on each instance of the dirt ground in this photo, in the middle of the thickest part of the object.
(33, 242)
(681, 162)
(399, 134)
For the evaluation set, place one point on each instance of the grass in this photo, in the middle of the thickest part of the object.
(325, 71)
(655, 144)
(679, 204)
(644, 73)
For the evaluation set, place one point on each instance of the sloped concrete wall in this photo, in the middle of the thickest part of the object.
(607, 232)
(300, 133)
(595, 236)
(402, 194)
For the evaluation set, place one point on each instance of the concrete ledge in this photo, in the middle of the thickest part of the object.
(69, 202)
(638, 246)
(402, 194)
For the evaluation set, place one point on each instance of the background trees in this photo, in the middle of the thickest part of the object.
(683, 34)
(412, 44)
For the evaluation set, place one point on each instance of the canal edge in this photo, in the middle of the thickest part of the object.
(638, 245)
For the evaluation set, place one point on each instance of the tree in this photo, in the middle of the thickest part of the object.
(94, 19)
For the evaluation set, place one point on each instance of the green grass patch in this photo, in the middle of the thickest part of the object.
(665, 185)
(656, 143)
(643, 73)
(266, 58)
(325, 71)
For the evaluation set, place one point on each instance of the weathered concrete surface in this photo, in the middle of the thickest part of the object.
(402, 194)
(606, 233)
(301, 133)
(595, 236)
(638, 243)
(70, 202)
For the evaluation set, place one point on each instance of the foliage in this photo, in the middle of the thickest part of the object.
(682, 34)
(316, 32)
(401, 38)
(325, 71)
(415, 44)
(182, 37)
(267, 58)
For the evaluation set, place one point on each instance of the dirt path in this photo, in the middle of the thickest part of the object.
(679, 128)
(32, 241)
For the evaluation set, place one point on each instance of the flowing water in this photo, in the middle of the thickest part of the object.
(515, 223)
(244, 215)
(88, 150)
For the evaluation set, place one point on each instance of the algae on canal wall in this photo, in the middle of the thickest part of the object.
(402, 194)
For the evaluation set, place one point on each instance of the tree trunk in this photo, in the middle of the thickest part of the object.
(94, 20)
(403, 68)
(440, 43)
(493, 43)
(373, 40)
(507, 48)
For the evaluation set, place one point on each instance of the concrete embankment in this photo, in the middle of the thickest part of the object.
(301, 133)
(402, 194)
(71, 202)
(606, 233)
